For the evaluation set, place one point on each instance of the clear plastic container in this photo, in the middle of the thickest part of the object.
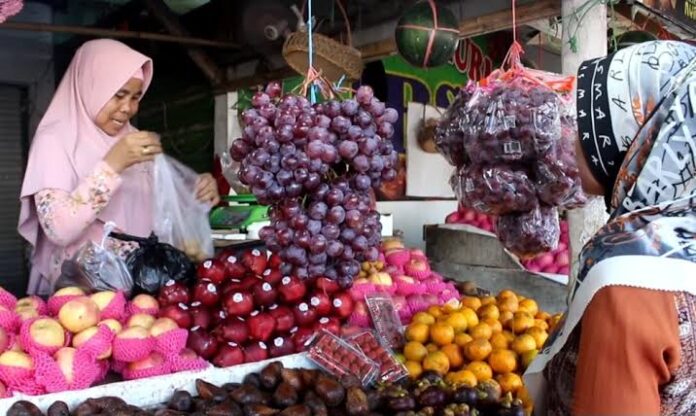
(390, 369)
(341, 359)
(386, 320)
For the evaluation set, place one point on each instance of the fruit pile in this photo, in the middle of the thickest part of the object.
(468, 216)
(74, 339)
(315, 165)
(242, 309)
(478, 339)
(556, 261)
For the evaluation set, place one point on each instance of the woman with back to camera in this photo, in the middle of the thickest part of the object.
(627, 345)
(88, 165)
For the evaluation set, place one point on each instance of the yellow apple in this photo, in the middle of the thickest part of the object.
(79, 314)
(65, 357)
(47, 332)
(84, 336)
(28, 302)
(141, 319)
(134, 332)
(69, 291)
(381, 278)
(163, 325)
(151, 361)
(113, 324)
(145, 302)
(16, 359)
(27, 312)
(102, 299)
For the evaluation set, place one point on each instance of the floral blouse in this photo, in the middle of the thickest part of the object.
(66, 217)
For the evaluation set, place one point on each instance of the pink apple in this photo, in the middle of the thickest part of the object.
(47, 332)
(79, 314)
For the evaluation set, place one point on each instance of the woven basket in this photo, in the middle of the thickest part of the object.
(332, 58)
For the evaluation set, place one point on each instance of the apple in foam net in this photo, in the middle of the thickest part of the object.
(65, 358)
(26, 313)
(113, 324)
(162, 326)
(4, 342)
(381, 278)
(134, 332)
(103, 299)
(141, 319)
(69, 291)
(79, 314)
(47, 332)
(146, 302)
(29, 302)
(17, 359)
(154, 360)
(212, 270)
(179, 313)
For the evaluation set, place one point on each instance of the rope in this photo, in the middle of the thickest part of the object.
(312, 93)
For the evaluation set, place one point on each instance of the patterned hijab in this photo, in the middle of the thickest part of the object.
(636, 113)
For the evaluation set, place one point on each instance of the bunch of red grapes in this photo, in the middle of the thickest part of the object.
(315, 165)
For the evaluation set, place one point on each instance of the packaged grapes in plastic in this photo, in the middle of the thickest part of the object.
(449, 136)
(495, 189)
(530, 233)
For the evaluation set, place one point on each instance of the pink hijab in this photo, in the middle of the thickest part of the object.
(68, 145)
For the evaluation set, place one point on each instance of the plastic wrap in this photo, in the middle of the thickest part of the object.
(530, 233)
(449, 136)
(495, 189)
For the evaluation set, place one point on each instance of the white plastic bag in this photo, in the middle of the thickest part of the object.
(179, 218)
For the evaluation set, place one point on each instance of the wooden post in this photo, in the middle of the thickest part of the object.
(591, 43)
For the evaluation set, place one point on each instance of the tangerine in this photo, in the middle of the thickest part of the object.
(510, 382)
(539, 335)
(544, 316)
(495, 325)
(462, 377)
(506, 294)
(521, 322)
(499, 341)
(454, 355)
(415, 351)
(508, 304)
(506, 319)
(423, 318)
(478, 349)
(471, 302)
(436, 361)
(462, 339)
(471, 317)
(417, 332)
(482, 330)
(529, 305)
(441, 334)
(503, 361)
(489, 311)
(414, 369)
(488, 300)
(524, 343)
(457, 321)
(528, 357)
(435, 311)
(432, 347)
(481, 370)
(452, 305)
(541, 324)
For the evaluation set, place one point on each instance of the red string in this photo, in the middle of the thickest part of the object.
(514, 23)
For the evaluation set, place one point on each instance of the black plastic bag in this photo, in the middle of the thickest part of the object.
(154, 263)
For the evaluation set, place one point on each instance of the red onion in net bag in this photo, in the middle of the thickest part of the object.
(530, 233)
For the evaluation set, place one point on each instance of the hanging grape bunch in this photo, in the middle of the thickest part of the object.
(315, 165)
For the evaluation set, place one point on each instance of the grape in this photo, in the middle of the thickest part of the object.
(317, 210)
(317, 244)
(315, 149)
(364, 94)
(260, 99)
(495, 189)
(336, 215)
(334, 249)
(530, 233)
(350, 108)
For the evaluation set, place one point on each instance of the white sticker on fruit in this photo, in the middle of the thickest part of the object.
(286, 280)
(170, 282)
(315, 301)
(255, 253)
(232, 344)
(211, 288)
(303, 307)
(237, 297)
(196, 304)
(272, 307)
(232, 259)
(207, 264)
(324, 320)
(183, 306)
(294, 329)
(254, 313)
(266, 287)
(263, 346)
(195, 328)
(278, 342)
(267, 272)
(337, 303)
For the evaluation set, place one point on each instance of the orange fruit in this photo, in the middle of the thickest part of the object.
(423, 318)
(441, 334)
(545, 316)
(436, 361)
(471, 302)
(457, 321)
(478, 349)
(528, 357)
(462, 339)
(415, 351)
(495, 325)
(432, 347)
(539, 336)
(417, 332)
(435, 311)
(454, 355)
(541, 324)
(526, 399)
(471, 317)
(510, 382)
(489, 311)
(462, 377)
(488, 300)
(506, 294)
(452, 305)
(524, 343)
(509, 336)
(529, 306)
(499, 341)
(521, 322)
(481, 370)
(414, 369)
(482, 330)
(508, 304)
(506, 318)
(503, 361)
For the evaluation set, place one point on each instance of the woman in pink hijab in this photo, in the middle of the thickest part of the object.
(88, 165)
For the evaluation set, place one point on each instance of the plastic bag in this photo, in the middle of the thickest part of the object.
(179, 218)
(449, 135)
(95, 268)
(230, 169)
(154, 263)
(530, 233)
(495, 189)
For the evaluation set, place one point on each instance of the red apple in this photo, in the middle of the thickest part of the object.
(206, 292)
(261, 326)
(255, 352)
(233, 330)
(304, 314)
(200, 315)
(255, 261)
(249, 282)
(285, 319)
(292, 290)
(239, 304)
(264, 294)
(331, 324)
(172, 293)
(272, 276)
(302, 339)
(234, 269)
(179, 313)
(203, 343)
(326, 285)
(213, 270)
(228, 355)
(322, 303)
(342, 305)
(274, 261)
(219, 316)
(231, 286)
(281, 346)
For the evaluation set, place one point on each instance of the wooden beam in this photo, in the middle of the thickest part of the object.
(502, 20)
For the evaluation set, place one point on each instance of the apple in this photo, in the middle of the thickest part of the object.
(233, 330)
(274, 261)
(203, 343)
(264, 294)
(17, 359)
(218, 316)
(239, 304)
(255, 352)
(331, 324)
(30, 302)
(381, 278)
(261, 326)
(304, 314)
(4, 342)
(302, 339)
(133, 332)
(154, 360)
(65, 357)
(206, 292)
(326, 285)
(255, 261)
(212, 270)
(285, 319)
(231, 287)
(84, 336)
(172, 293)
(145, 303)
(292, 290)
(47, 332)
(141, 319)
(272, 276)
(200, 315)
(179, 313)
(228, 355)
(113, 324)
(188, 354)
(162, 326)
(69, 291)
(234, 269)
(79, 314)
(27, 313)
(247, 284)
(342, 305)
(102, 299)
(322, 303)
(281, 346)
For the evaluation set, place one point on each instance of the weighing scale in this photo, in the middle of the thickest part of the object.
(241, 219)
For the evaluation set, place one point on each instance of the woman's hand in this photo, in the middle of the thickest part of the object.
(138, 147)
(207, 190)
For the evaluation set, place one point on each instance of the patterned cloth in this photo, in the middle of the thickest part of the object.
(636, 114)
